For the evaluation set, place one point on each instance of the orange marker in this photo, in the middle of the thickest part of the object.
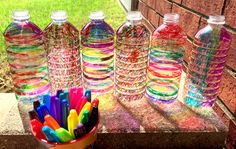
(51, 122)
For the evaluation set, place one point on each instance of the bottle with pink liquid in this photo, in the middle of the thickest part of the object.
(206, 63)
(27, 59)
(61, 41)
(132, 48)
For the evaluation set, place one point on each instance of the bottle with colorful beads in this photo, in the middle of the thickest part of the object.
(165, 61)
(206, 63)
(97, 38)
(27, 59)
(61, 41)
(132, 48)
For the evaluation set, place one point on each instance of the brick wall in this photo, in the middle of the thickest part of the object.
(193, 16)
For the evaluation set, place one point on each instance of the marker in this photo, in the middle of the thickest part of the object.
(72, 121)
(46, 100)
(50, 134)
(64, 112)
(80, 104)
(64, 135)
(88, 107)
(72, 92)
(62, 96)
(79, 131)
(88, 94)
(95, 102)
(55, 107)
(33, 115)
(42, 111)
(36, 128)
(51, 122)
(93, 118)
(66, 95)
(36, 104)
(85, 117)
(58, 93)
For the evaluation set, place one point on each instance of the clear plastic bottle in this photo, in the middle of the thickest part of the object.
(206, 65)
(27, 58)
(165, 61)
(61, 41)
(132, 48)
(97, 38)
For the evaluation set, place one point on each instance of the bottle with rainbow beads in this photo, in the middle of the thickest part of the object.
(165, 61)
(27, 59)
(97, 39)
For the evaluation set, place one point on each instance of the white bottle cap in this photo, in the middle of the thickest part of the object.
(59, 15)
(134, 16)
(96, 15)
(20, 15)
(220, 19)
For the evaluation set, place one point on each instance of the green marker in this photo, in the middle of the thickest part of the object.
(85, 117)
(64, 135)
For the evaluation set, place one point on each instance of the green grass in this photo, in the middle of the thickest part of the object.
(40, 12)
(77, 10)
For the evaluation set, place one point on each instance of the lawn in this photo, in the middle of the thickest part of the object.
(40, 11)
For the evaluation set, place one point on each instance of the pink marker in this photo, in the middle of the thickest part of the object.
(81, 103)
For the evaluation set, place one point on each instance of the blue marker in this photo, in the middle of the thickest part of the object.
(53, 106)
(66, 95)
(88, 94)
(46, 100)
(42, 112)
(59, 92)
(50, 134)
(64, 112)
(58, 111)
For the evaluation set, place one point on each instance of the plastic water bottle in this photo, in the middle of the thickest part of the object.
(208, 57)
(165, 61)
(132, 48)
(61, 40)
(27, 58)
(97, 38)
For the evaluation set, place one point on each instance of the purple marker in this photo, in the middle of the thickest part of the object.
(79, 131)
(58, 111)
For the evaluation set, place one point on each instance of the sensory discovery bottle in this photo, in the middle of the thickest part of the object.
(61, 41)
(132, 48)
(165, 61)
(97, 38)
(27, 58)
(208, 57)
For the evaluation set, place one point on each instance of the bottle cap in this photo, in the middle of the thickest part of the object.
(20, 15)
(171, 17)
(59, 15)
(96, 15)
(219, 19)
(134, 16)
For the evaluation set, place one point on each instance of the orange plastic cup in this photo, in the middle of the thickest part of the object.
(86, 142)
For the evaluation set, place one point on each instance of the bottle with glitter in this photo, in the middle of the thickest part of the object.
(206, 63)
(165, 61)
(61, 41)
(27, 59)
(132, 48)
(97, 38)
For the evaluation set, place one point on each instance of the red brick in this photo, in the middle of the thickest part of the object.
(207, 7)
(163, 7)
(143, 8)
(188, 20)
(227, 91)
(231, 139)
(153, 17)
(229, 12)
(188, 48)
(151, 3)
(221, 114)
(177, 1)
(149, 25)
(160, 20)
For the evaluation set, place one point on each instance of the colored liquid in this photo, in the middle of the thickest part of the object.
(62, 45)
(98, 56)
(206, 66)
(26, 57)
(132, 48)
(165, 63)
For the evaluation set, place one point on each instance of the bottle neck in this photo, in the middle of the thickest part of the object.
(97, 20)
(21, 21)
(134, 22)
(171, 22)
(214, 25)
(59, 21)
